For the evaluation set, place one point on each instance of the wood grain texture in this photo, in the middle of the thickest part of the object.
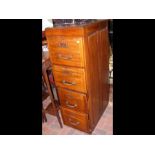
(67, 58)
(65, 43)
(66, 50)
(84, 74)
(97, 79)
(73, 100)
(64, 31)
(70, 78)
(75, 119)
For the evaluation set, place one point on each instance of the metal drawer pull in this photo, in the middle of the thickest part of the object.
(65, 58)
(71, 106)
(68, 83)
(74, 123)
(63, 45)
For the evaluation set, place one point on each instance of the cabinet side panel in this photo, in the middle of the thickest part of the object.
(104, 65)
(97, 74)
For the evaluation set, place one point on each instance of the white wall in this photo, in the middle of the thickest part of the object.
(46, 23)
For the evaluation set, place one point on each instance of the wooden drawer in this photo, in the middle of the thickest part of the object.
(75, 119)
(70, 78)
(73, 100)
(66, 51)
(65, 43)
(68, 58)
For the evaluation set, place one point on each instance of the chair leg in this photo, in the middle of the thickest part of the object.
(44, 119)
(52, 97)
(59, 119)
(56, 103)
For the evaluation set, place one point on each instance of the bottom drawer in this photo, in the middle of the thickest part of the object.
(75, 119)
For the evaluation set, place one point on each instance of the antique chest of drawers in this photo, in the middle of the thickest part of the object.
(79, 55)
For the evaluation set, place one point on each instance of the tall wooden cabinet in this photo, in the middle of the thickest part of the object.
(80, 55)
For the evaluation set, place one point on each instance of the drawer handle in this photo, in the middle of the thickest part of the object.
(74, 123)
(63, 45)
(71, 106)
(64, 57)
(68, 83)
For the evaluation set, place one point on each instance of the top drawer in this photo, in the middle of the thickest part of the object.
(66, 51)
(65, 43)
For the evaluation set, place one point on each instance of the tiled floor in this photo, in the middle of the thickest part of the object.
(104, 126)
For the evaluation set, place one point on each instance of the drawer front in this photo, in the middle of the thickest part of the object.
(66, 51)
(73, 100)
(65, 43)
(74, 119)
(69, 58)
(70, 78)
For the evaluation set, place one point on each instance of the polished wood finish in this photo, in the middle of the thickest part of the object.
(66, 51)
(82, 78)
(73, 100)
(75, 119)
(66, 43)
(70, 78)
(67, 31)
(97, 61)
(70, 58)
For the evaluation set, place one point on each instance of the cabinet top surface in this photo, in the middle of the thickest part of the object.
(76, 29)
(75, 24)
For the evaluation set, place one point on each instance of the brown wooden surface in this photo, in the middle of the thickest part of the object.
(70, 58)
(50, 109)
(89, 70)
(66, 51)
(44, 95)
(44, 42)
(97, 57)
(64, 31)
(65, 43)
(70, 78)
(73, 100)
(75, 119)
(76, 30)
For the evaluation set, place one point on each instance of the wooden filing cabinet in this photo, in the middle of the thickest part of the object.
(80, 57)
